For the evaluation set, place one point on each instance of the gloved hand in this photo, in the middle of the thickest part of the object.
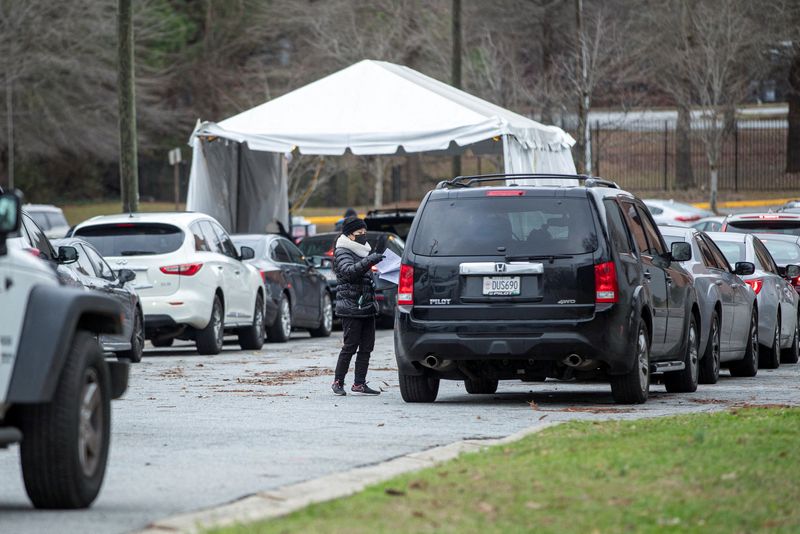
(375, 258)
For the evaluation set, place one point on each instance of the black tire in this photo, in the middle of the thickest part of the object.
(422, 388)
(481, 386)
(162, 341)
(137, 341)
(326, 323)
(748, 366)
(209, 339)
(252, 337)
(685, 381)
(64, 456)
(634, 386)
(770, 357)
(281, 330)
(710, 364)
(792, 354)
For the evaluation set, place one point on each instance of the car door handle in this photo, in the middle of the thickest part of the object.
(718, 282)
(220, 267)
(237, 271)
(647, 275)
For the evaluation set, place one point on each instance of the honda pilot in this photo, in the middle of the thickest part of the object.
(527, 281)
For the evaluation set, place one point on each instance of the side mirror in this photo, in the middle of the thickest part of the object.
(744, 268)
(67, 255)
(125, 275)
(792, 271)
(10, 213)
(681, 251)
(247, 253)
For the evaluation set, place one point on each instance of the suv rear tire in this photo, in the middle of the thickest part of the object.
(422, 388)
(252, 337)
(748, 366)
(634, 386)
(64, 452)
(685, 381)
(709, 365)
(485, 386)
(210, 339)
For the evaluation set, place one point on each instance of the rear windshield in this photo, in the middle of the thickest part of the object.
(256, 243)
(733, 252)
(513, 226)
(774, 227)
(317, 246)
(132, 239)
(783, 253)
(40, 219)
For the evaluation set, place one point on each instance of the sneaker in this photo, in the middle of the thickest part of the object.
(364, 389)
(338, 388)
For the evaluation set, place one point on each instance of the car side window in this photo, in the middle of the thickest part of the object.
(38, 239)
(201, 243)
(634, 221)
(83, 265)
(101, 268)
(655, 246)
(705, 252)
(294, 253)
(764, 257)
(620, 238)
(395, 245)
(719, 257)
(212, 239)
(279, 253)
(228, 248)
(654, 210)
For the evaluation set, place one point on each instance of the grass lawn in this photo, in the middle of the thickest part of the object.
(736, 471)
(77, 213)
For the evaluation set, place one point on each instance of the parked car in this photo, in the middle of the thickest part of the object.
(709, 224)
(192, 281)
(790, 206)
(501, 283)
(320, 249)
(297, 295)
(778, 326)
(49, 218)
(394, 221)
(785, 250)
(55, 385)
(95, 274)
(675, 213)
(728, 308)
(772, 223)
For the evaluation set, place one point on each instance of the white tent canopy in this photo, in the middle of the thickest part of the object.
(379, 108)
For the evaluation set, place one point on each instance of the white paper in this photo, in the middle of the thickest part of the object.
(391, 262)
(392, 276)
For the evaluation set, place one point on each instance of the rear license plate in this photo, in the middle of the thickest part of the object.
(501, 285)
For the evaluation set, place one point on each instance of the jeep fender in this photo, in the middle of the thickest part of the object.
(52, 316)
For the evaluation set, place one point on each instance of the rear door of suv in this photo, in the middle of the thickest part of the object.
(505, 255)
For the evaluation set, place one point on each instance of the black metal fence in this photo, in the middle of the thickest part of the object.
(641, 155)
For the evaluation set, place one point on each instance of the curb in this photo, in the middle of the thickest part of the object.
(745, 203)
(282, 501)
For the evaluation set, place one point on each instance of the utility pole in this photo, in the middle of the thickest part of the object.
(128, 165)
(456, 62)
(584, 141)
(10, 129)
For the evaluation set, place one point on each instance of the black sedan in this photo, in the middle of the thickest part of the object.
(93, 273)
(320, 249)
(297, 293)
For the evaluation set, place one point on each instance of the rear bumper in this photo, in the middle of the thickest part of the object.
(607, 338)
(182, 308)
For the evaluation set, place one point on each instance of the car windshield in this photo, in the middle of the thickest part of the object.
(132, 239)
(318, 245)
(732, 251)
(782, 252)
(506, 226)
(767, 226)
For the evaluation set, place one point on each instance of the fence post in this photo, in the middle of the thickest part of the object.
(736, 156)
(666, 153)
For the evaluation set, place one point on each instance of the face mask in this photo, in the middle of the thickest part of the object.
(361, 239)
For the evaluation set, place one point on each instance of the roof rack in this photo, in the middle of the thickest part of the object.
(466, 181)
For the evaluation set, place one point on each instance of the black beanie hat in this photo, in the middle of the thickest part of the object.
(351, 224)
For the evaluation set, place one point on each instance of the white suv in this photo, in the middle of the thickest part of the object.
(192, 282)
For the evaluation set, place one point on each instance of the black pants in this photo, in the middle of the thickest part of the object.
(359, 335)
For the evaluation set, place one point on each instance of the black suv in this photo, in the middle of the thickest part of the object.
(535, 281)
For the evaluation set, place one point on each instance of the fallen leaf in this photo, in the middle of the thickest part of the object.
(542, 417)
(381, 424)
(417, 484)
(485, 507)
(729, 476)
(394, 492)
(530, 505)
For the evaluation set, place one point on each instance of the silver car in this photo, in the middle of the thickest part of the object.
(728, 315)
(675, 213)
(776, 298)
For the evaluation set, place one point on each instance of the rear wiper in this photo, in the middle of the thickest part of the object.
(136, 253)
(549, 257)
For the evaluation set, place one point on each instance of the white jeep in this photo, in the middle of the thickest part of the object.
(55, 384)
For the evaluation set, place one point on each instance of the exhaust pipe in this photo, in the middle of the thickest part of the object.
(432, 361)
(573, 360)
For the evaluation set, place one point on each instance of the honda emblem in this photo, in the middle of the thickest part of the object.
(499, 267)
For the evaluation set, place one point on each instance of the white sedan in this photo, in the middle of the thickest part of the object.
(193, 282)
(675, 213)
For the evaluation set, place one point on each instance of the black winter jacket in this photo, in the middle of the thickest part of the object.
(354, 283)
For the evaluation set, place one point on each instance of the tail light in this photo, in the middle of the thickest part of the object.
(795, 281)
(329, 253)
(263, 276)
(505, 193)
(605, 282)
(756, 284)
(405, 287)
(687, 218)
(184, 269)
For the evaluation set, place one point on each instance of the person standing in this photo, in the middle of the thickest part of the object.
(349, 212)
(355, 304)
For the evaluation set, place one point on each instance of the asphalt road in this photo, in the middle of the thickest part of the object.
(195, 431)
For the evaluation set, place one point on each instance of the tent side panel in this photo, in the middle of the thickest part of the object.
(213, 180)
(263, 192)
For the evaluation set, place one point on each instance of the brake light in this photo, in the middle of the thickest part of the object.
(374, 269)
(405, 287)
(795, 281)
(605, 282)
(505, 193)
(185, 269)
(687, 218)
(329, 253)
(755, 284)
(263, 276)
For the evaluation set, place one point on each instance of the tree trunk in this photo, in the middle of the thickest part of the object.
(378, 182)
(584, 156)
(10, 130)
(793, 137)
(456, 63)
(128, 165)
(684, 175)
(714, 179)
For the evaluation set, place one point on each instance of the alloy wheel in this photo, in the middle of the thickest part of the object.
(693, 356)
(643, 361)
(90, 430)
(286, 318)
(327, 312)
(218, 326)
(715, 346)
